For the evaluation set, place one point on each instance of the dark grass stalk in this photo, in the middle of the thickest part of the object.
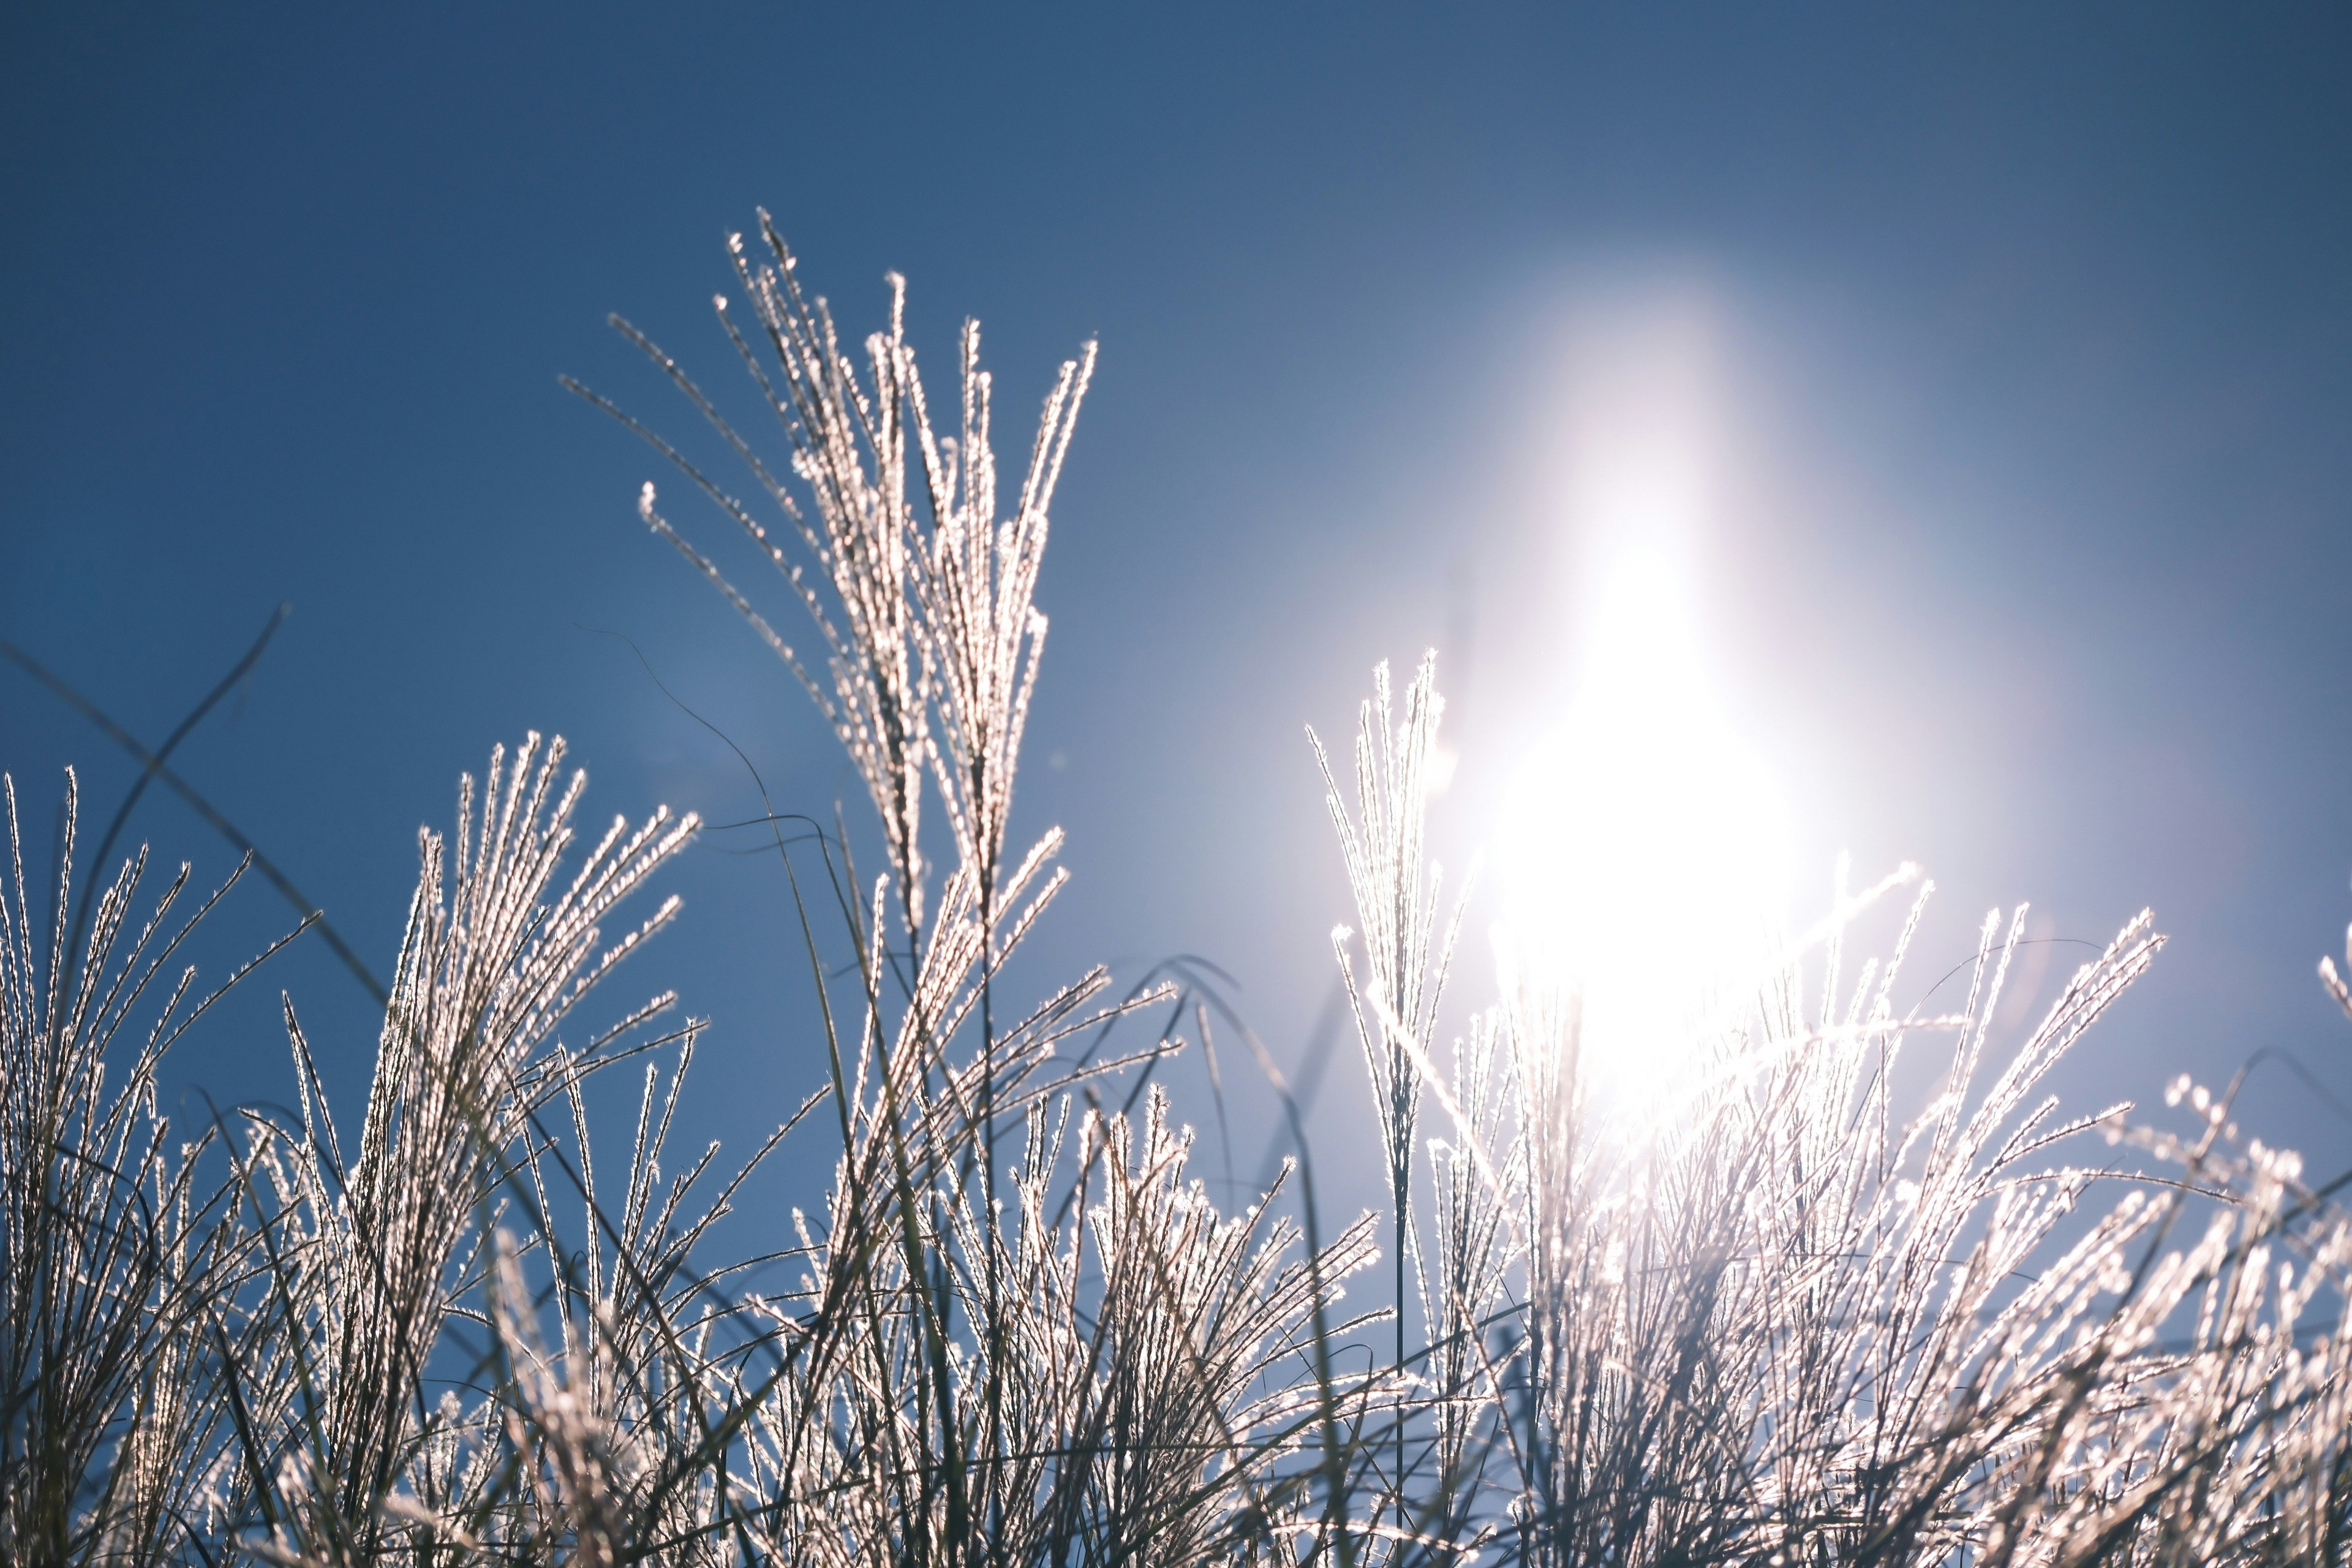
(152, 766)
(114, 826)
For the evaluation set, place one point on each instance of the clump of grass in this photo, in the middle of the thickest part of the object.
(1799, 1318)
(1783, 1319)
(119, 1241)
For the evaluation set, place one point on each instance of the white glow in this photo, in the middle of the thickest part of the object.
(1644, 848)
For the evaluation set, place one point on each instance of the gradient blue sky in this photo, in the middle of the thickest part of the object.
(2030, 332)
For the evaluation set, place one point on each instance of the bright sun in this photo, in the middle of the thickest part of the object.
(1648, 851)
(1646, 847)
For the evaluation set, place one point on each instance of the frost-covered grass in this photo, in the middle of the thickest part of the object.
(1798, 1316)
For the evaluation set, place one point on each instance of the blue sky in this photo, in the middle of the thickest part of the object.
(2027, 340)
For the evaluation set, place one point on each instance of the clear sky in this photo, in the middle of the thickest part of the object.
(2013, 346)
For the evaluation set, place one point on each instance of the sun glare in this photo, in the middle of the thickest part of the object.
(1648, 846)
(1645, 851)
